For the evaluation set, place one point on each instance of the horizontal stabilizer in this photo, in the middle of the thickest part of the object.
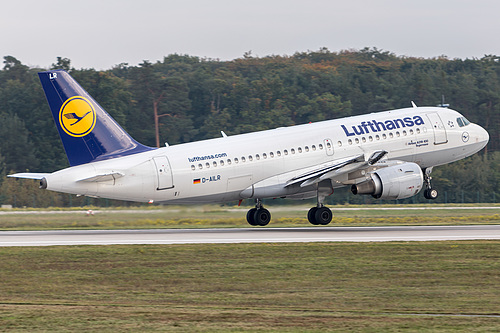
(103, 177)
(27, 175)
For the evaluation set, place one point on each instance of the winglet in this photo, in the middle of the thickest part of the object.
(87, 131)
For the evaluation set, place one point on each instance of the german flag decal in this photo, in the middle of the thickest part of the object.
(196, 181)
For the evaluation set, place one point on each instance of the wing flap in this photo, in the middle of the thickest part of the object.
(317, 172)
(336, 169)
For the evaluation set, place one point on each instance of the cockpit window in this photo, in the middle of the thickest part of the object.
(462, 121)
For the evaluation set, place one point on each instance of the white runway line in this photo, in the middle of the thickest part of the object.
(249, 235)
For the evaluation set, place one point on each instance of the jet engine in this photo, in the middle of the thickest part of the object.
(399, 181)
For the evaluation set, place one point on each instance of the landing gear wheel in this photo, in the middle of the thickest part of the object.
(261, 216)
(311, 215)
(431, 194)
(323, 215)
(250, 216)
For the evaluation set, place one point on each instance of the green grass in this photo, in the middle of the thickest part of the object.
(316, 287)
(216, 216)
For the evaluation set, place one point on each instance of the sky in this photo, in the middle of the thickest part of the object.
(103, 33)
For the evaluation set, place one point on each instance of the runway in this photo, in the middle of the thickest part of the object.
(249, 235)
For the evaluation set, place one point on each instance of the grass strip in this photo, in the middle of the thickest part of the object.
(215, 216)
(315, 287)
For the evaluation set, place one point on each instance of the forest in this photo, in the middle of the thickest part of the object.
(183, 98)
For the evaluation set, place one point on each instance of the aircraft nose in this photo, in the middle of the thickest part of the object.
(482, 136)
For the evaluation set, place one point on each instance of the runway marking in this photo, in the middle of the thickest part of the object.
(248, 235)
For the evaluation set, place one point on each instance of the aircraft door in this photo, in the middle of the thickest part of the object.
(328, 146)
(163, 172)
(438, 127)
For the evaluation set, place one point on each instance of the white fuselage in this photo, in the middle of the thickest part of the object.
(259, 164)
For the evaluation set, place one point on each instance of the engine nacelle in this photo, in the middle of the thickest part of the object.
(399, 181)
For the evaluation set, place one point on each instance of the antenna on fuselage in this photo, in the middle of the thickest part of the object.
(443, 105)
(413, 104)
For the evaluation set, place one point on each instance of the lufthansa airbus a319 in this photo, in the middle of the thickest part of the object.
(387, 155)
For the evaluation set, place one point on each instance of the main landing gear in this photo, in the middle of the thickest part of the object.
(258, 216)
(429, 192)
(320, 215)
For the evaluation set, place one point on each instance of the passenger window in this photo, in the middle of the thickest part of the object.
(377, 137)
(314, 147)
(320, 146)
(349, 141)
(228, 161)
(221, 162)
(200, 166)
(278, 153)
(243, 159)
(193, 167)
(391, 135)
(257, 156)
(215, 164)
(299, 150)
(292, 151)
(356, 140)
(339, 143)
(285, 152)
(363, 139)
(250, 158)
(271, 154)
(264, 156)
(306, 149)
(384, 136)
(236, 160)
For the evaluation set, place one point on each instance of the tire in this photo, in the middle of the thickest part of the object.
(262, 217)
(323, 216)
(250, 216)
(431, 194)
(311, 215)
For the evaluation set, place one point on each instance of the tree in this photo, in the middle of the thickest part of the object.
(166, 94)
(62, 63)
(15, 145)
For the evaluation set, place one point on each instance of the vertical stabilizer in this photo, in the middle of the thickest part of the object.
(87, 131)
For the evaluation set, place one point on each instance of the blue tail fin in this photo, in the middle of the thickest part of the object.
(87, 132)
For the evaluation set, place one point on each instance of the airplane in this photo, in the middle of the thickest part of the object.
(388, 155)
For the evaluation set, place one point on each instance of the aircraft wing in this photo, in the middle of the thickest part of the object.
(320, 173)
(27, 175)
